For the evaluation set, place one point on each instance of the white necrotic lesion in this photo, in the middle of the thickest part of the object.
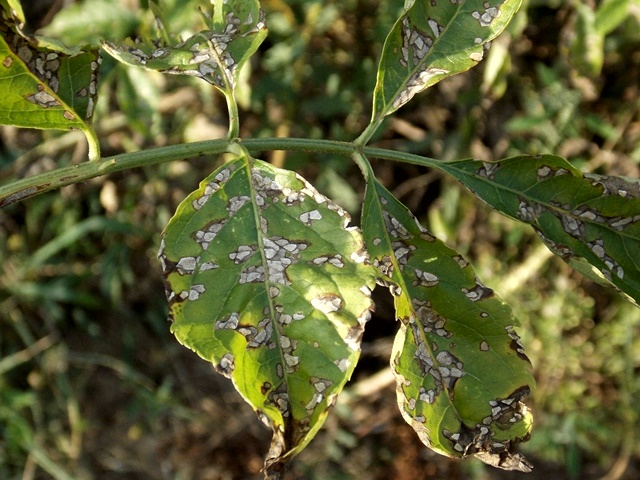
(242, 254)
(487, 16)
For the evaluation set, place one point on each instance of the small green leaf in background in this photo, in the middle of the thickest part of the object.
(591, 221)
(234, 32)
(434, 39)
(91, 21)
(610, 14)
(266, 281)
(461, 370)
(46, 85)
(587, 39)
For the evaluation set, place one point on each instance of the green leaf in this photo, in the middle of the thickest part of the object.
(106, 22)
(434, 39)
(45, 85)
(587, 43)
(610, 14)
(14, 9)
(591, 221)
(266, 281)
(460, 367)
(216, 55)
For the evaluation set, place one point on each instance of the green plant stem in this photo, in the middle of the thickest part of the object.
(94, 144)
(234, 119)
(363, 162)
(45, 182)
(368, 132)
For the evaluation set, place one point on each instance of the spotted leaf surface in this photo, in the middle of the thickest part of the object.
(266, 281)
(461, 370)
(591, 221)
(216, 54)
(46, 86)
(434, 39)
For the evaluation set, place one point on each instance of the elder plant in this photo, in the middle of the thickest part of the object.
(264, 276)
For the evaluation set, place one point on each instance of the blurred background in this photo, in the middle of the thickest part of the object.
(94, 386)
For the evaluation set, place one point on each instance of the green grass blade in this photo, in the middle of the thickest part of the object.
(71, 235)
(460, 368)
(266, 281)
(591, 221)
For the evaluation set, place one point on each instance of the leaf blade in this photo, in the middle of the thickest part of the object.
(460, 368)
(45, 86)
(292, 293)
(215, 55)
(591, 221)
(433, 40)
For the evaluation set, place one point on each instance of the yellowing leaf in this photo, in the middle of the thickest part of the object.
(46, 86)
(266, 281)
(460, 367)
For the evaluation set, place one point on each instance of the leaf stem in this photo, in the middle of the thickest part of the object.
(363, 162)
(234, 119)
(368, 132)
(54, 179)
(94, 144)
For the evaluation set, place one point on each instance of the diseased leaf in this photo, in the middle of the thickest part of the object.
(216, 55)
(44, 85)
(591, 221)
(434, 39)
(14, 8)
(460, 367)
(266, 281)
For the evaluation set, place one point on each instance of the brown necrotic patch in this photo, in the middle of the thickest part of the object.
(478, 292)
(226, 366)
(516, 344)
(43, 99)
(279, 398)
(429, 319)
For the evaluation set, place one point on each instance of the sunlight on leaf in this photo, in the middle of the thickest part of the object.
(46, 85)
(14, 8)
(591, 221)
(461, 370)
(266, 281)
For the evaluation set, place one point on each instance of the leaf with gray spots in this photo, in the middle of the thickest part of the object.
(44, 84)
(266, 281)
(434, 39)
(461, 370)
(216, 54)
(591, 221)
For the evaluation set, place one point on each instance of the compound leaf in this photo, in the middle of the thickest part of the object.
(434, 39)
(591, 221)
(216, 54)
(44, 84)
(266, 281)
(461, 370)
